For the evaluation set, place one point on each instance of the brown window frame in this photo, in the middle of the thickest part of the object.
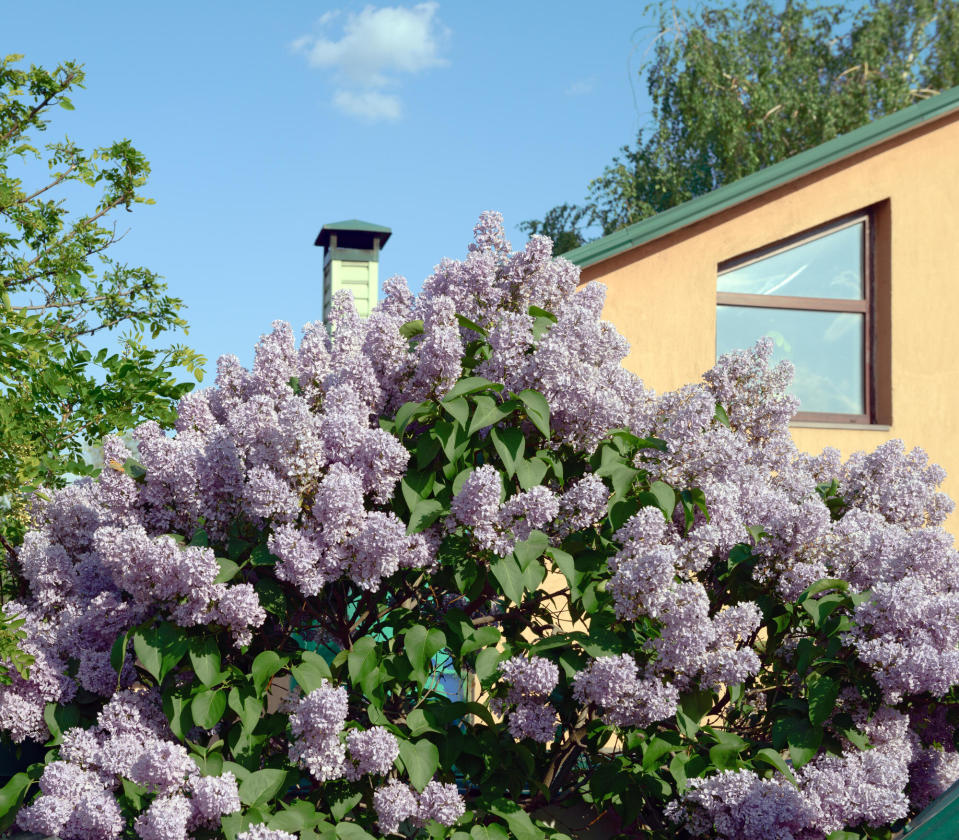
(865, 306)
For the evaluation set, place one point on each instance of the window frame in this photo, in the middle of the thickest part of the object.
(865, 306)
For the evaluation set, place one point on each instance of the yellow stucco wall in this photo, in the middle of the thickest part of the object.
(662, 295)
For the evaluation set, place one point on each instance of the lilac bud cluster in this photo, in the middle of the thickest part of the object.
(396, 802)
(531, 681)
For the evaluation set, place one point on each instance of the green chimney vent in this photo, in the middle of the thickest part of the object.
(351, 254)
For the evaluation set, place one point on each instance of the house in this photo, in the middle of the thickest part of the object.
(846, 255)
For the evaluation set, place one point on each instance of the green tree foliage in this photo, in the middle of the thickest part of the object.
(738, 89)
(62, 298)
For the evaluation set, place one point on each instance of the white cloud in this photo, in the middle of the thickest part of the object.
(581, 87)
(369, 105)
(375, 48)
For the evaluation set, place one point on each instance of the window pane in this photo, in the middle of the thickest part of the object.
(825, 347)
(827, 267)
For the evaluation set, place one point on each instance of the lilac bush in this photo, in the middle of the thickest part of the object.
(443, 571)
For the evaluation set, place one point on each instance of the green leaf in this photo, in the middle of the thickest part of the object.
(205, 658)
(520, 825)
(118, 652)
(272, 596)
(208, 707)
(471, 325)
(422, 645)
(411, 328)
(228, 570)
(620, 475)
(458, 409)
(660, 495)
(59, 719)
(509, 576)
(341, 803)
(510, 445)
(539, 312)
(537, 410)
(531, 548)
(480, 638)
(724, 756)
(262, 786)
(488, 412)
(264, 667)
(12, 795)
(823, 692)
(775, 759)
(722, 416)
(410, 411)
(311, 671)
(352, 831)
(487, 663)
(804, 741)
(160, 648)
(301, 816)
(420, 759)
(470, 385)
(176, 707)
(656, 749)
(248, 707)
(362, 660)
(530, 472)
(493, 831)
(822, 586)
(424, 514)
(416, 486)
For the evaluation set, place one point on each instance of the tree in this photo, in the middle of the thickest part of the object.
(653, 608)
(62, 298)
(738, 89)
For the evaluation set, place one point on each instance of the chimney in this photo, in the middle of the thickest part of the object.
(351, 254)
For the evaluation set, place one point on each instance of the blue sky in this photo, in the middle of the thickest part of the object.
(264, 121)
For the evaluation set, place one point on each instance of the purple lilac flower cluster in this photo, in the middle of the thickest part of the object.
(396, 802)
(626, 698)
(830, 793)
(316, 723)
(531, 681)
(131, 741)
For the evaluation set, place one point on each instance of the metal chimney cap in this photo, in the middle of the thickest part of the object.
(353, 233)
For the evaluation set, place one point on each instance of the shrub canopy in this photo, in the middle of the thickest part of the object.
(449, 570)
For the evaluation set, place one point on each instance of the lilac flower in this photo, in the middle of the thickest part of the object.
(212, 797)
(393, 803)
(259, 831)
(316, 723)
(614, 685)
(165, 768)
(372, 751)
(165, 819)
(440, 802)
(531, 682)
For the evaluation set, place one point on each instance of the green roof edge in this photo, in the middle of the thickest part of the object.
(764, 180)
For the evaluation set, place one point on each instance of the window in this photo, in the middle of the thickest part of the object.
(813, 296)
